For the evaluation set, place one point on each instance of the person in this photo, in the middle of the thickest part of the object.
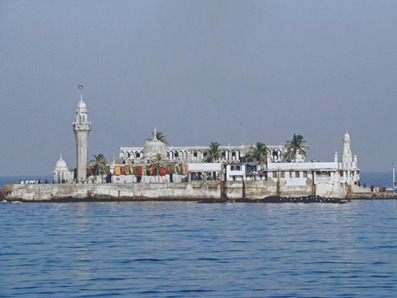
(108, 178)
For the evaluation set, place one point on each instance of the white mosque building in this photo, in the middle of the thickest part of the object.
(188, 154)
(131, 165)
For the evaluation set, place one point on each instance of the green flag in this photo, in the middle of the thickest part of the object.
(80, 87)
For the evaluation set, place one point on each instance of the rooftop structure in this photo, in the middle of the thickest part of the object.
(192, 154)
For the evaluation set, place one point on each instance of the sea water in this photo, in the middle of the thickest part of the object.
(185, 249)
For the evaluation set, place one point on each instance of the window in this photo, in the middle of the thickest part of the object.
(235, 168)
(304, 174)
(297, 174)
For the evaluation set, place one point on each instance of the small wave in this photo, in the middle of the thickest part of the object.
(147, 260)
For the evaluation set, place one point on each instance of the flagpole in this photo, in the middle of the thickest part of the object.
(394, 177)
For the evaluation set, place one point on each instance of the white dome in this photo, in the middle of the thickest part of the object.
(61, 164)
(81, 104)
(153, 147)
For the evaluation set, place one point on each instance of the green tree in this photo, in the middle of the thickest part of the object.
(159, 136)
(294, 147)
(98, 164)
(158, 162)
(257, 153)
(213, 153)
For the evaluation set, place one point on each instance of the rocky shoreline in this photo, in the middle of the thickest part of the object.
(272, 200)
(269, 199)
(277, 199)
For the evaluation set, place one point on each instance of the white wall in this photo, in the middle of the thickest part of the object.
(205, 167)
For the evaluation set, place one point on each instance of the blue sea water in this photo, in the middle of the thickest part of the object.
(178, 249)
(378, 179)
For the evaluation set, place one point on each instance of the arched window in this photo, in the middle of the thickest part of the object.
(276, 155)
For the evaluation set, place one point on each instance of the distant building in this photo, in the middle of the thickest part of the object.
(156, 162)
(188, 154)
(332, 173)
(61, 172)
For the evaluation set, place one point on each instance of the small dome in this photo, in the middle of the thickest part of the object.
(61, 164)
(81, 104)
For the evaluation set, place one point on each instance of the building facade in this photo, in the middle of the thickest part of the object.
(189, 154)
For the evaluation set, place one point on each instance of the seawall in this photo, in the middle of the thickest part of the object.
(188, 191)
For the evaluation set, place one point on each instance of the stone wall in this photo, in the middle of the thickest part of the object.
(177, 191)
(194, 190)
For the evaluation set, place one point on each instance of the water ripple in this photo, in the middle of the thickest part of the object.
(196, 250)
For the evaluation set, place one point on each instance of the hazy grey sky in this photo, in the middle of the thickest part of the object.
(196, 70)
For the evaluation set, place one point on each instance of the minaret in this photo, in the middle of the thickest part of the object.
(347, 153)
(81, 128)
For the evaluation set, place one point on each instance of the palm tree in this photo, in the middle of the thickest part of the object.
(158, 162)
(257, 152)
(159, 136)
(98, 164)
(296, 146)
(213, 153)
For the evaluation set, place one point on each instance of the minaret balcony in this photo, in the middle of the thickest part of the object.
(82, 126)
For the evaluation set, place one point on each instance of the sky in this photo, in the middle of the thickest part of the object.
(234, 72)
